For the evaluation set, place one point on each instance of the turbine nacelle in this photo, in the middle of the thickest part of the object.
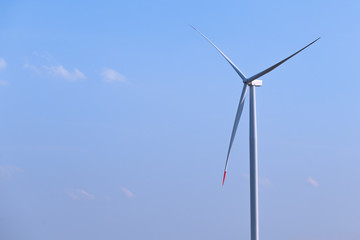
(256, 83)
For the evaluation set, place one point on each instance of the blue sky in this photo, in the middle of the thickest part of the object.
(116, 116)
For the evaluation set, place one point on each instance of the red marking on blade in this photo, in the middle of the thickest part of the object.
(224, 177)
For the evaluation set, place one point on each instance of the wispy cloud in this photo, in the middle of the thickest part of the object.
(86, 194)
(3, 64)
(110, 75)
(46, 65)
(265, 181)
(108, 198)
(78, 194)
(7, 172)
(32, 67)
(73, 195)
(262, 181)
(3, 83)
(64, 73)
(128, 193)
(312, 181)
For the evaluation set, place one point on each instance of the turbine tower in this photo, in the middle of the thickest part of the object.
(250, 82)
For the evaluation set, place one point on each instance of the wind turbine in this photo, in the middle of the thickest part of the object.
(250, 82)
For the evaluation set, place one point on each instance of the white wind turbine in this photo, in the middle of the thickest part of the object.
(252, 82)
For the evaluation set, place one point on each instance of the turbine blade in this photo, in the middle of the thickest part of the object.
(256, 76)
(236, 123)
(237, 70)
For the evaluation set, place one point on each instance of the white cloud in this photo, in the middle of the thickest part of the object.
(312, 181)
(73, 195)
(46, 65)
(80, 194)
(32, 67)
(57, 70)
(110, 75)
(85, 194)
(3, 64)
(128, 193)
(265, 181)
(7, 172)
(262, 181)
(63, 72)
(3, 83)
(107, 198)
